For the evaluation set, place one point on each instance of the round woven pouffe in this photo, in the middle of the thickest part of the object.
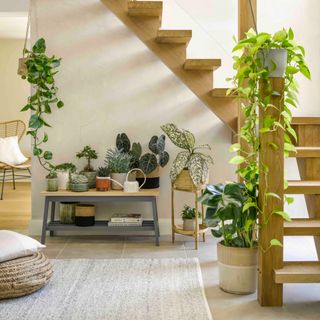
(25, 275)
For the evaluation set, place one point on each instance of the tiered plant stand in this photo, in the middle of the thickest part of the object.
(201, 228)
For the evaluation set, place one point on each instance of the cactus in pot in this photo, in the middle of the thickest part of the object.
(79, 183)
(89, 154)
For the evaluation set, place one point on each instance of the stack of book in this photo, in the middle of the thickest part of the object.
(125, 220)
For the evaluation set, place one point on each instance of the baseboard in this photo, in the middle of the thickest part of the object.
(35, 228)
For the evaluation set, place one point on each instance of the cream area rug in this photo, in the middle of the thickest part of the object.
(118, 289)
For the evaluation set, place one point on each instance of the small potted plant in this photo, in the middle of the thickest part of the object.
(119, 164)
(52, 181)
(63, 171)
(150, 163)
(188, 216)
(190, 169)
(102, 180)
(232, 213)
(79, 183)
(88, 171)
(67, 212)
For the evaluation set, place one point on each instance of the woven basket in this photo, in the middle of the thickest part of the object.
(185, 183)
(23, 276)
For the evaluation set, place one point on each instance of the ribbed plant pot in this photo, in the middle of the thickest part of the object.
(91, 175)
(52, 184)
(63, 180)
(275, 60)
(121, 178)
(237, 269)
(152, 179)
(102, 183)
(85, 214)
(189, 224)
(184, 182)
(67, 212)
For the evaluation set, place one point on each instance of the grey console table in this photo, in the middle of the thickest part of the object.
(146, 195)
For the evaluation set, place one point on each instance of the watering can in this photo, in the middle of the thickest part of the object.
(131, 186)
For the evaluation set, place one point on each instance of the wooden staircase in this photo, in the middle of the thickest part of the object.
(144, 19)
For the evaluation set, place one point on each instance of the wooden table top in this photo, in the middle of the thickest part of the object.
(111, 193)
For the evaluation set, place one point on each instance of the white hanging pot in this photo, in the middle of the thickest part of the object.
(131, 186)
(278, 56)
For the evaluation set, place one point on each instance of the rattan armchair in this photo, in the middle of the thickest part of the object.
(10, 129)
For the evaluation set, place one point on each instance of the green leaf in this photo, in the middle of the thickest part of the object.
(291, 70)
(273, 146)
(283, 214)
(60, 104)
(272, 194)
(237, 160)
(289, 147)
(280, 35)
(235, 147)
(35, 122)
(45, 138)
(305, 71)
(291, 34)
(26, 107)
(275, 243)
(47, 155)
(37, 151)
(289, 200)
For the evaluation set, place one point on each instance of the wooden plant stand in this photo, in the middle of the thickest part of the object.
(200, 228)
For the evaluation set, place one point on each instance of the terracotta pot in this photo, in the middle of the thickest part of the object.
(189, 224)
(237, 269)
(102, 183)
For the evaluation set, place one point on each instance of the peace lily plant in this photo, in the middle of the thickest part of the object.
(233, 209)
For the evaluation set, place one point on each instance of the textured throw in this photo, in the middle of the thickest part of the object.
(118, 289)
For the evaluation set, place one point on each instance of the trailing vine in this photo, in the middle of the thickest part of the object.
(41, 70)
(251, 75)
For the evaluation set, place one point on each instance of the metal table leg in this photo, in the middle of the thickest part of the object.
(45, 221)
(53, 210)
(156, 221)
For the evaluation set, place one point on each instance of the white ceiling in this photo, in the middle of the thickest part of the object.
(13, 25)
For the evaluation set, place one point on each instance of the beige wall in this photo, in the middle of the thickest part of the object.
(14, 91)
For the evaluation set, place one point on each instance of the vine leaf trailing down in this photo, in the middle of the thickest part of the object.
(251, 73)
(41, 70)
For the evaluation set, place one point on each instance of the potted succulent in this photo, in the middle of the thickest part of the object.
(190, 169)
(232, 214)
(78, 183)
(150, 163)
(119, 164)
(88, 171)
(63, 171)
(52, 181)
(188, 216)
(102, 179)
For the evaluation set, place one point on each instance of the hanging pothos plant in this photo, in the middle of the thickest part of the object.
(41, 70)
(251, 73)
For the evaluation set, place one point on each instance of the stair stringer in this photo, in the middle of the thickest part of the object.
(174, 56)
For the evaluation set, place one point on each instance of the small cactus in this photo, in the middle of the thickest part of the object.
(78, 179)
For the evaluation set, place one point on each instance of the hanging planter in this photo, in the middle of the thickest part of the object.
(275, 61)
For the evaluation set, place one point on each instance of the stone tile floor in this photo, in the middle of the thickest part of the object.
(301, 301)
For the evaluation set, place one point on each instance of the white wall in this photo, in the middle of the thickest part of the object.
(14, 91)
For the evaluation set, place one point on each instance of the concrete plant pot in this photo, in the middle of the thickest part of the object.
(237, 269)
(277, 56)
(121, 178)
(189, 224)
(63, 180)
(91, 175)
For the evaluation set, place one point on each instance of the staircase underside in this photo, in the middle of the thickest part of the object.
(144, 19)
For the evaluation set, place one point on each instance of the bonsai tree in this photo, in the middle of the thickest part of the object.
(158, 156)
(89, 154)
(67, 166)
(190, 158)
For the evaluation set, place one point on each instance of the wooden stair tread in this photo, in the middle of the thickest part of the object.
(222, 93)
(145, 8)
(202, 64)
(306, 152)
(298, 272)
(303, 187)
(174, 36)
(305, 120)
(302, 227)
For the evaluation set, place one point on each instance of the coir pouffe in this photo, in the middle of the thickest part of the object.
(22, 276)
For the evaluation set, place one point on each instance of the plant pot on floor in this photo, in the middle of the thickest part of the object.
(102, 183)
(91, 175)
(52, 184)
(275, 60)
(189, 224)
(67, 212)
(121, 178)
(152, 179)
(85, 214)
(237, 269)
(63, 180)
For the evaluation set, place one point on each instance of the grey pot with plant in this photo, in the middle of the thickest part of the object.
(89, 154)
(188, 216)
(79, 183)
(52, 181)
(190, 169)
(64, 170)
(119, 164)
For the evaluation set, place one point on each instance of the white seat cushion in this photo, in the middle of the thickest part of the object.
(15, 245)
(10, 151)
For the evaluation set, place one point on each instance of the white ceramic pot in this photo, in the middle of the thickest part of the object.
(279, 57)
(63, 180)
(121, 178)
(189, 224)
(237, 269)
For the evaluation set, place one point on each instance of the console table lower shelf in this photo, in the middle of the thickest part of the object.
(92, 196)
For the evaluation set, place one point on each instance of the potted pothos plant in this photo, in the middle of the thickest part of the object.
(233, 219)
(190, 169)
(89, 154)
(40, 73)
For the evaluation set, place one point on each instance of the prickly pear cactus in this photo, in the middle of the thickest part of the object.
(78, 179)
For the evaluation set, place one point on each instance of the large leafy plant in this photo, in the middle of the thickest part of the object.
(190, 158)
(118, 161)
(41, 70)
(230, 215)
(251, 75)
(123, 144)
